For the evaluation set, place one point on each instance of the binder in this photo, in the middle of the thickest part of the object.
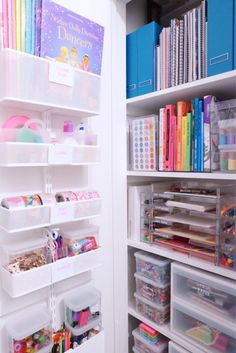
(147, 40)
(220, 36)
(132, 64)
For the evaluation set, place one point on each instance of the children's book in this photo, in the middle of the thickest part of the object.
(189, 142)
(28, 26)
(184, 142)
(11, 23)
(5, 23)
(38, 29)
(182, 109)
(23, 24)
(169, 111)
(69, 38)
(18, 24)
(161, 125)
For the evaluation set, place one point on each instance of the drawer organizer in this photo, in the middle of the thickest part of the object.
(13, 154)
(17, 69)
(20, 217)
(211, 294)
(202, 329)
(194, 218)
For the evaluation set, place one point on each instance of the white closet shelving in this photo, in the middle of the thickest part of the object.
(224, 87)
(29, 168)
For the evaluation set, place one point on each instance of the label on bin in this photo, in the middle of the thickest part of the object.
(62, 269)
(61, 73)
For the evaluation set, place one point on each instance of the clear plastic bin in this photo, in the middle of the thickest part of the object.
(148, 289)
(153, 267)
(86, 154)
(83, 310)
(142, 345)
(17, 69)
(228, 160)
(80, 240)
(152, 311)
(18, 219)
(209, 335)
(30, 332)
(12, 153)
(87, 208)
(211, 293)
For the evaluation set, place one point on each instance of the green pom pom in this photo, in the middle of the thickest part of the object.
(25, 135)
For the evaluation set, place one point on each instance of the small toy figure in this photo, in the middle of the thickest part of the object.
(84, 64)
(63, 58)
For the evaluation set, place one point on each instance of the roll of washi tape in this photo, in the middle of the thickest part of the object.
(65, 196)
(82, 195)
(47, 199)
(13, 202)
(32, 200)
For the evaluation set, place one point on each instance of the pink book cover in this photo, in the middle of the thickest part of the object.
(5, 23)
(172, 143)
(11, 23)
(169, 111)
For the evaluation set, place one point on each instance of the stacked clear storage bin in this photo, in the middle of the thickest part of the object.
(152, 287)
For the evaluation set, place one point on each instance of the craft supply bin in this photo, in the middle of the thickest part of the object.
(150, 290)
(214, 295)
(194, 326)
(86, 154)
(17, 70)
(32, 325)
(17, 219)
(86, 299)
(153, 267)
(142, 345)
(175, 348)
(152, 311)
(17, 154)
(87, 208)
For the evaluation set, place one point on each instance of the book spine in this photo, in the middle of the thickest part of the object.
(23, 24)
(181, 52)
(11, 23)
(202, 140)
(169, 111)
(172, 143)
(207, 138)
(5, 23)
(38, 27)
(177, 54)
(196, 126)
(184, 142)
(33, 26)
(189, 142)
(174, 55)
(18, 24)
(28, 26)
(161, 124)
(199, 136)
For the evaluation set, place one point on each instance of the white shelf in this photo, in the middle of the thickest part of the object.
(222, 85)
(177, 256)
(185, 175)
(163, 329)
(27, 282)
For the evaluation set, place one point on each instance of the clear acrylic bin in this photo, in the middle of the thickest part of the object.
(83, 310)
(80, 240)
(150, 290)
(208, 335)
(157, 313)
(85, 154)
(228, 160)
(210, 293)
(175, 348)
(14, 154)
(142, 345)
(17, 70)
(87, 208)
(18, 219)
(153, 267)
(30, 331)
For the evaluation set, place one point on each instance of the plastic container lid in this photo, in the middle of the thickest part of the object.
(85, 297)
(149, 281)
(159, 307)
(154, 259)
(153, 347)
(79, 233)
(27, 323)
(77, 331)
(18, 248)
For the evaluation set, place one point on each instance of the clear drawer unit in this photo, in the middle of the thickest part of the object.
(223, 136)
(175, 348)
(194, 218)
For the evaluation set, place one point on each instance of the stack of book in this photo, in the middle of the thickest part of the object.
(184, 136)
(44, 28)
(182, 53)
